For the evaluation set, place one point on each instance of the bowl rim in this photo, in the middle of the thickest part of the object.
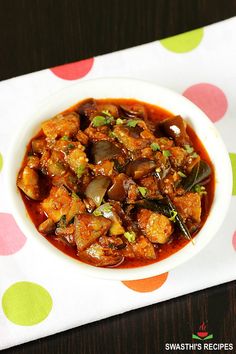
(145, 89)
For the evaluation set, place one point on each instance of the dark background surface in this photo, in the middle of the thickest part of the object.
(36, 34)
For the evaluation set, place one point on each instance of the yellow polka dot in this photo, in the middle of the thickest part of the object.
(184, 42)
(26, 304)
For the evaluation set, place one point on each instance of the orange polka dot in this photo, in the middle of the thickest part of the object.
(146, 285)
(73, 71)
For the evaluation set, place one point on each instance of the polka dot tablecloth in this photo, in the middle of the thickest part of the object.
(41, 295)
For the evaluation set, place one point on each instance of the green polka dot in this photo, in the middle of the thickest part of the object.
(185, 42)
(232, 156)
(25, 303)
(1, 161)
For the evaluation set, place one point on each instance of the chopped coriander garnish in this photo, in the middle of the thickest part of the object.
(166, 153)
(107, 113)
(143, 191)
(155, 146)
(181, 174)
(80, 170)
(97, 212)
(132, 123)
(194, 155)
(70, 146)
(119, 121)
(112, 134)
(131, 236)
(173, 214)
(189, 148)
(65, 138)
(200, 189)
(99, 121)
(104, 208)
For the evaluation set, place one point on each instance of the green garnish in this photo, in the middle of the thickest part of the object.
(173, 214)
(97, 212)
(200, 189)
(143, 191)
(131, 236)
(70, 146)
(107, 113)
(80, 171)
(104, 208)
(181, 174)
(155, 146)
(132, 123)
(112, 134)
(99, 121)
(119, 121)
(189, 148)
(166, 153)
(194, 155)
(65, 138)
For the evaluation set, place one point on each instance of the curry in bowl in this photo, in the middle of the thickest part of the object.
(117, 182)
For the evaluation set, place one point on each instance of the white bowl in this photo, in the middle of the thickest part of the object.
(143, 91)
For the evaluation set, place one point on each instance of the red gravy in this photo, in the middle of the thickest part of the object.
(155, 114)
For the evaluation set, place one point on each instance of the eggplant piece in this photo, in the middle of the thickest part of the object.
(88, 228)
(97, 189)
(157, 227)
(140, 168)
(96, 255)
(108, 109)
(143, 248)
(199, 172)
(179, 221)
(66, 124)
(167, 208)
(133, 111)
(47, 226)
(28, 181)
(134, 132)
(39, 145)
(118, 191)
(175, 127)
(108, 212)
(104, 150)
(86, 109)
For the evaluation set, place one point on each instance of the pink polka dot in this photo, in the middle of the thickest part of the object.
(234, 240)
(11, 238)
(73, 71)
(211, 99)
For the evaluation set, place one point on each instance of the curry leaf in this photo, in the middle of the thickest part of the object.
(199, 172)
